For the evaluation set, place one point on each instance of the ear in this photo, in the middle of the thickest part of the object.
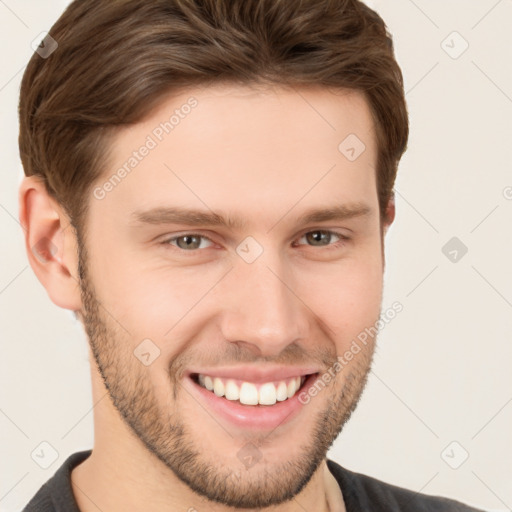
(50, 242)
(390, 213)
(389, 217)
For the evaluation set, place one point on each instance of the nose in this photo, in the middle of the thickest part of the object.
(260, 308)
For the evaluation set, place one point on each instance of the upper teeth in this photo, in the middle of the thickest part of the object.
(249, 393)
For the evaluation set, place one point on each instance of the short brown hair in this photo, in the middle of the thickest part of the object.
(117, 58)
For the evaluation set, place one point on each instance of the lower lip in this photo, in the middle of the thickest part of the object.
(259, 417)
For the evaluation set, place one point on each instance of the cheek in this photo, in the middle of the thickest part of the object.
(150, 299)
(346, 296)
(133, 296)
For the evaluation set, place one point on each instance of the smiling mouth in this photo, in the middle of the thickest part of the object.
(250, 393)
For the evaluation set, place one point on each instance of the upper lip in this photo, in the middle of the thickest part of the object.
(256, 374)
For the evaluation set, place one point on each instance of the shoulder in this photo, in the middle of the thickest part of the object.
(41, 501)
(56, 495)
(362, 492)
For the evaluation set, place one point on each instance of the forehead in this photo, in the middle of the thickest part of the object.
(240, 148)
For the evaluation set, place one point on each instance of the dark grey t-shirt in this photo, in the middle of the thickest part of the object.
(360, 493)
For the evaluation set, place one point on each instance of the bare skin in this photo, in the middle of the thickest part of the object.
(265, 156)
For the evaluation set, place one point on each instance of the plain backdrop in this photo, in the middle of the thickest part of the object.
(436, 416)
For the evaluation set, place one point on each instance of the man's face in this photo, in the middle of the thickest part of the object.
(271, 293)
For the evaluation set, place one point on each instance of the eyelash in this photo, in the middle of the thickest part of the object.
(343, 239)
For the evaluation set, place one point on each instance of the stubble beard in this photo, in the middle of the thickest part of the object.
(168, 437)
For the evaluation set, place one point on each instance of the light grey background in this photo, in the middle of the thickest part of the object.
(442, 367)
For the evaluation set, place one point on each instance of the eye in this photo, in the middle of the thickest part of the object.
(191, 242)
(187, 242)
(322, 238)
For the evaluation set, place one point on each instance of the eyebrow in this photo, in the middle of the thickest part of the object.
(197, 218)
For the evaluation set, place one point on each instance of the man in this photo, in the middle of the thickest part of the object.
(208, 187)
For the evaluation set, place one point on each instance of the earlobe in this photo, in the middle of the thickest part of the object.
(50, 242)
